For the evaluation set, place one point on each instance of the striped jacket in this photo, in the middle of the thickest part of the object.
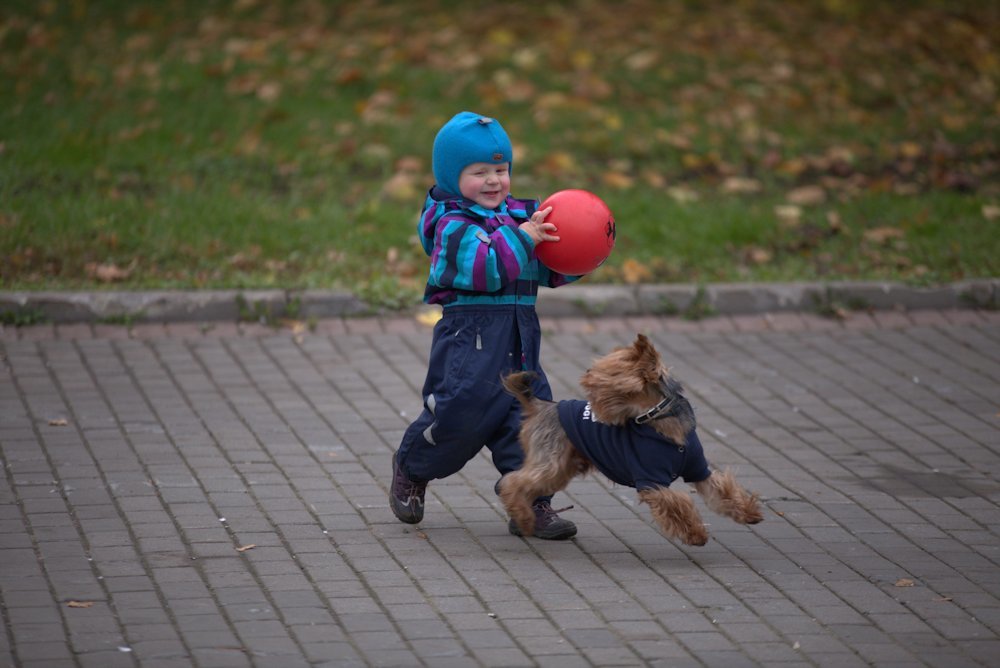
(479, 256)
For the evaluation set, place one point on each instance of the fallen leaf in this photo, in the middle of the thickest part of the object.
(79, 604)
(635, 272)
(109, 272)
(654, 179)
(738, 185)
(349, 75)
(943, 599)
(58, 422)
(904, 582)
(642, 60)
(410, 163)
(297, 327)
(880, 235)
(557, 162)
(401, 187)
(682, 194)
(806, 196)
(793, 167)
(910, 150)
(789, 214)
(618, 180)
(246, 547)
(833, 218)
(421, 534)
(269, 91)
(991, 211)
(758, 255)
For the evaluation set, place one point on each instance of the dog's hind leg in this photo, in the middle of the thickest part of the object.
(676, 514)
(517, 495)
(725, 496)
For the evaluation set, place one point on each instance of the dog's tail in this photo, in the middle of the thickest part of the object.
(519, 385)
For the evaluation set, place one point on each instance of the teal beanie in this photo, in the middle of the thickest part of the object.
(465, 139)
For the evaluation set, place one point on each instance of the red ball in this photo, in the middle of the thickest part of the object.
(586, 231)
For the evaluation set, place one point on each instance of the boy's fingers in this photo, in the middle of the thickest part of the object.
(539, 215)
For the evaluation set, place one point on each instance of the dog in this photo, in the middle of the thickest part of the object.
(638, 429)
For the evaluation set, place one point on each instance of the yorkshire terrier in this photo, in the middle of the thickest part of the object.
(638, 429)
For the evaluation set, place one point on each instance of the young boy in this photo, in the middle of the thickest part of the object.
(484, 274)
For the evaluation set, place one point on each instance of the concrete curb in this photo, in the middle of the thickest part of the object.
(578, 300)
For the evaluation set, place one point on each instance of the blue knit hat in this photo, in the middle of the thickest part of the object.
(465, 139)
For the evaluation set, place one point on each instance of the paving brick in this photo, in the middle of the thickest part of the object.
(288, 440)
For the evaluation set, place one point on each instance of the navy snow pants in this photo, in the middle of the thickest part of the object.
(465, 406)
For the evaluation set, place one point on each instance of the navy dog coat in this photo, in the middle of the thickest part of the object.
(634, 455)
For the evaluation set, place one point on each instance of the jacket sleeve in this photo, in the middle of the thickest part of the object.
(553, 279)
(466, 257)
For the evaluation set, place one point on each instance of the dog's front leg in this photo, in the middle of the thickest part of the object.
(676, 514)
(725, 496)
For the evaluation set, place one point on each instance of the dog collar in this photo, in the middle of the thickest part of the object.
(662, 409)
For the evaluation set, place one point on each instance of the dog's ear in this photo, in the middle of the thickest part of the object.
(647, 358)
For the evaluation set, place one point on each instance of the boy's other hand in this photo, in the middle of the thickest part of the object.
(538, 229)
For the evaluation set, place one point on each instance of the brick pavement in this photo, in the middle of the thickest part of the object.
(179, 494)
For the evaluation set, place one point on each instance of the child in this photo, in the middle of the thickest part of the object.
(484, 274)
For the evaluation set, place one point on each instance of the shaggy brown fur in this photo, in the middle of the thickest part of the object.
(620, 386)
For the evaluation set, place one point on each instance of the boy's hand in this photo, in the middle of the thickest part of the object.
(538, 229)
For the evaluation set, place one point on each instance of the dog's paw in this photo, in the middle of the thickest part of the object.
(696, 536)
(752, 513)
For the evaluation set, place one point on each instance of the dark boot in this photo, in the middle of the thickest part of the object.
(548, 524)
(406, 497)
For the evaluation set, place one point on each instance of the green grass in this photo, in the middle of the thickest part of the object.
(256, 144)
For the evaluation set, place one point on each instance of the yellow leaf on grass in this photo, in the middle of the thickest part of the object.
(268, 91)
(109, 272)
(880, 235)
(789, 214)
(739, 185)
(910, 150)
(401, 187)
(806, 195)
(682, 194)
(642, 60)
(757, 255)
(635, 272)
(618, 180)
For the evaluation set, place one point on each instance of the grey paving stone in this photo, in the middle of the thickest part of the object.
(870, 479)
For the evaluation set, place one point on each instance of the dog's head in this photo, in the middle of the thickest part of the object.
(631, 383)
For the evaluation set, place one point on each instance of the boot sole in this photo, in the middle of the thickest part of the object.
(563, 534)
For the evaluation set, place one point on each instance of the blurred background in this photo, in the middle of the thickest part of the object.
(253, 143)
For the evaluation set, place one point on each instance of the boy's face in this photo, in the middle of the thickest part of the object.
(485, 183)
